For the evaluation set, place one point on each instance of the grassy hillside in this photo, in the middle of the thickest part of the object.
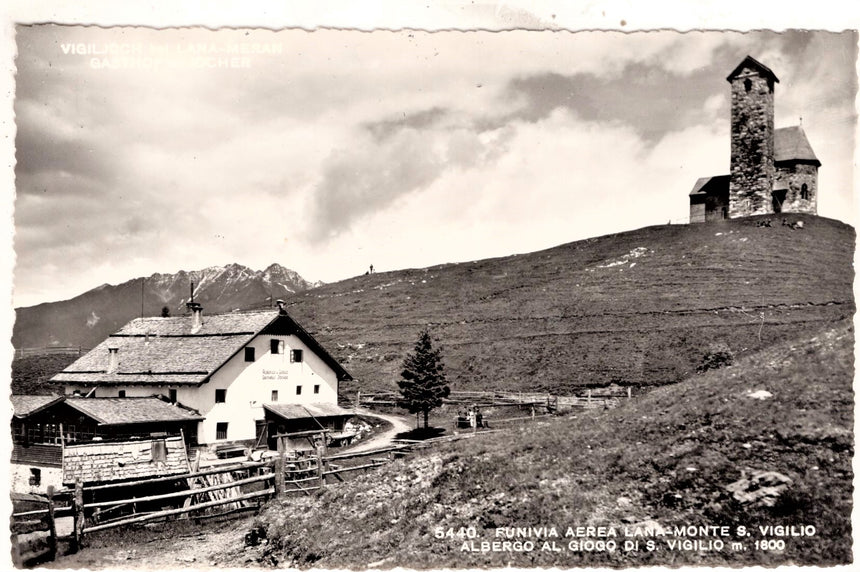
(635, 308)
(666, 458)
(639, 307)
(30, 374)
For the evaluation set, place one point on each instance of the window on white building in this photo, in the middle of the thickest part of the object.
(277, 346)
(296, 356)
(249, 354)
(274, 395)
(316, 389)
(298, 390)
(220, 430)
(220, 396)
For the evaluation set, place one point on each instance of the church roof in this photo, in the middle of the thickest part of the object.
(711, 185)
(791, 144)
(750, 62)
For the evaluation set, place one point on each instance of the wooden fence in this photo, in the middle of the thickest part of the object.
(587, 398)
(69, 350)
(230, 488)
(34, 532)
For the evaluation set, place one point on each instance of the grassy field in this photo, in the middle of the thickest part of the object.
(666, 458)
(638, 308)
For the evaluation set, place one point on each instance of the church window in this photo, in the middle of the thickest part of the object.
(747, 85)
(804, 192)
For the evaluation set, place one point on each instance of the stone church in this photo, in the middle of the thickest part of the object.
(772, 170)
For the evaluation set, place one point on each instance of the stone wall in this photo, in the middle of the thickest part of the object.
(797, 175)
(752, 166)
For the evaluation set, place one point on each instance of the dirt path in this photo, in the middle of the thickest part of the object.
(168, 546)
(398, 425)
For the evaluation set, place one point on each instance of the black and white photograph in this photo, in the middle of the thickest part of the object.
(521, 293)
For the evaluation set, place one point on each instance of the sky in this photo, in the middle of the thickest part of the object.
(183, 148)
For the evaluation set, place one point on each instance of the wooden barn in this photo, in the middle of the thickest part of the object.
(283, 418)
(46, 428)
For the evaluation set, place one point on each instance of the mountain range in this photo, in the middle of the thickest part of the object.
(87, 319)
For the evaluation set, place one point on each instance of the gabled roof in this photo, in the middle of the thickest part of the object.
(108, 410)
(791, 144)
(293, 411)
(214, 325)
(159, 351)
(131, 410)
(24, 405)
(711, 185)
(158, 360)
(750, 62)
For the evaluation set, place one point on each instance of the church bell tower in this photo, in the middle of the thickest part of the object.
(752, 139)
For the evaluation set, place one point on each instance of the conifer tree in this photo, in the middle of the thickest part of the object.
(423, 386)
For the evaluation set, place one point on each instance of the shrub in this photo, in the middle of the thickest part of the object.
(718, 356)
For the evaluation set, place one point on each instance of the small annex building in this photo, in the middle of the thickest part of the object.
(772, 170)
(227, 367)
(52, 436)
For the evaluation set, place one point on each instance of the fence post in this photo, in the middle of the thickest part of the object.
(628, 392)
(589, 397)
(78, 515)
(320, 469)
(279, 469)
(52, 524)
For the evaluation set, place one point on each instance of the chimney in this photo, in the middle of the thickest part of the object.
(281, 306)
(113, 360)
(196, 316)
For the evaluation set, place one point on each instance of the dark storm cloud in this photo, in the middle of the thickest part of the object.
(362, 179)
(394, 157)
(38, 153)
(613, 99)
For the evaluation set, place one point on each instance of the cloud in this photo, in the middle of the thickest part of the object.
(372, 174)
